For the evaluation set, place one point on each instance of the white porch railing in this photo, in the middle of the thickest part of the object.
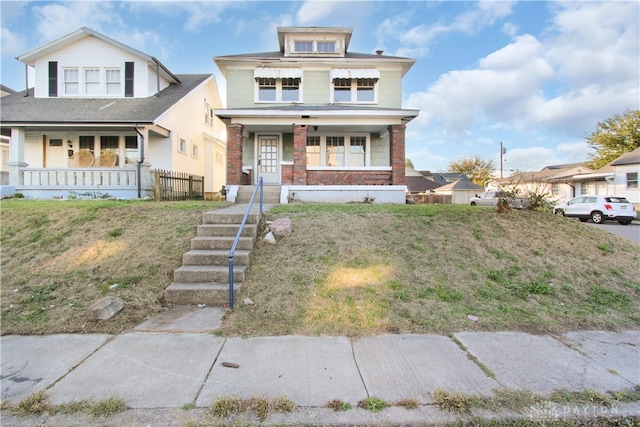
(81, 177)
(120, 183)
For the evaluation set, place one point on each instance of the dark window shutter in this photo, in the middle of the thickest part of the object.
(53, 78)
(128, 79)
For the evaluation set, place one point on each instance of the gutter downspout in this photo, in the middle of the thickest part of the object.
(26, 79)
(140, 160)
(157, 77)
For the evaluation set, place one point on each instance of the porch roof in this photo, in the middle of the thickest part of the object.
(19, 110)
(334, 117)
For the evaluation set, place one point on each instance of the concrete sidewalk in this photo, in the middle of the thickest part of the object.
(157, 371)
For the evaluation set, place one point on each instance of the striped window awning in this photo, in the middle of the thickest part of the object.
(355, 73)
(277, 73)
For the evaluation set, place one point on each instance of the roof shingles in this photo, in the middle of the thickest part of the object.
(20, 109)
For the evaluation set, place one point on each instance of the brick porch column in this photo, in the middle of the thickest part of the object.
(396, 146)
(234, 154)
(299, 154)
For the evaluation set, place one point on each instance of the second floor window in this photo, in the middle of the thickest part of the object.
(208, 114)
(266, 89)
(632, 179)
(71, 81)
(112, 81)
(341, 90)
(278, 90)
(354, 90)
(92, 81)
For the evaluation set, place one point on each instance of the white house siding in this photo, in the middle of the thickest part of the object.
(186, 120)
(33, 149)
(160, 153)
(93, 52)
(150, 76)
(620, 187)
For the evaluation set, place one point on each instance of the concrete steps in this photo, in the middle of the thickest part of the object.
(271, 194)
(203, 277)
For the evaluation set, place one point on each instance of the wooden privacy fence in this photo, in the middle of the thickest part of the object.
(171, 185)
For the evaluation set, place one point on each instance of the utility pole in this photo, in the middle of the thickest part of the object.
(502, 151)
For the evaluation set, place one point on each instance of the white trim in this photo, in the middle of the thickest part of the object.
(355, 73)
(277, 73)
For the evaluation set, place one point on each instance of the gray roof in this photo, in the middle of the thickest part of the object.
(419, 184)
(630, 158)
(278, 54)
(461, 184)
(19, 109)
(6, 89)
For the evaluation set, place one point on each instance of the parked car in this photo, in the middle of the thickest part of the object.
(598, 209)
(490, 198)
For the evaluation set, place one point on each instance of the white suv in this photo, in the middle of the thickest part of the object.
(598, 209)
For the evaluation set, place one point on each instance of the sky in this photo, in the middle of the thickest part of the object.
(534, 76)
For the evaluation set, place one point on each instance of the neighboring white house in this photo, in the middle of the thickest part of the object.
(102, 115)
(555, 181)
(4, 145)
(322, 122)
(461, 191)
(618, 178)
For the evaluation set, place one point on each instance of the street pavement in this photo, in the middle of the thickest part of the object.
(170, 370)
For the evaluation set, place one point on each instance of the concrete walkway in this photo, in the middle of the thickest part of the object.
(173, 362)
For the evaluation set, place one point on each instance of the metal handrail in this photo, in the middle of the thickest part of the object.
(235, 242)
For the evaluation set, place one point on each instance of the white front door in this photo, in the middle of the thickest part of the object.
(269, 159)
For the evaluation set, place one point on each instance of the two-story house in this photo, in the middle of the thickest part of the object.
(101, 115)
(324, 123)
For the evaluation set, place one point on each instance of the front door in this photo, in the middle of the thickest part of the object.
(269, 159)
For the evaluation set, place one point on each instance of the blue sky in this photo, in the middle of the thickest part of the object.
(536, 76)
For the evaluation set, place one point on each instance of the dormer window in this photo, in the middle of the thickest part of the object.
(315, 46)
(306, 47)
(326, 47)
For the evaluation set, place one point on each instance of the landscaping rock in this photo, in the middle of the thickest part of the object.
(270, 238)
(281, 227)
(105, 308)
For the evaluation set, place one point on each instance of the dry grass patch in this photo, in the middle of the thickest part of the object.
(360, 270)
(60, 256)
(351, 270)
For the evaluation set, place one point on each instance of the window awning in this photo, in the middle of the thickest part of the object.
(277, 73)
(355, 73)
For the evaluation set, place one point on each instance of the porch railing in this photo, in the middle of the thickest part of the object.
(81, 177)
(237, 239)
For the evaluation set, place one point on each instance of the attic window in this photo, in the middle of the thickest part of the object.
(316, 46)
(304, 47)
(326, 47)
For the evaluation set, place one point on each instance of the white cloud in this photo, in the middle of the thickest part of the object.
(595, 42)
(485, 14)
(13, 44)
(58, 19)
(537, 157)
(505, 87)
